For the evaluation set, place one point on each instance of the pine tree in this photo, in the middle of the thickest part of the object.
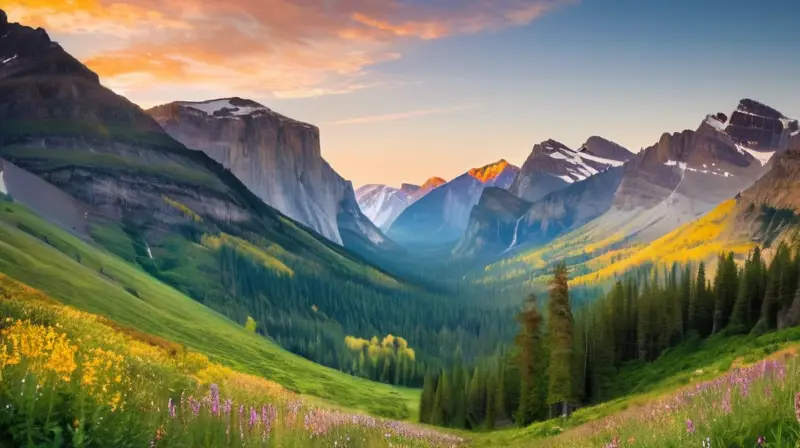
(438, 413)
(560, 341)
(426, 401)
(528, 341)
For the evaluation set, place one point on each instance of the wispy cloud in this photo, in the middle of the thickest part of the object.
(283, 48)
(399, 115)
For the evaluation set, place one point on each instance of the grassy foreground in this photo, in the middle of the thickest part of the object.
(70, 378)
(88, 278)
(689, 382)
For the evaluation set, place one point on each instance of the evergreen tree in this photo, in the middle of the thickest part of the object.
(438, 413)
(528, 341)
(560, 341)
(426, 402)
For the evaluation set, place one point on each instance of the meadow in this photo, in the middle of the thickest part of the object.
(71, 378)
(86, 277)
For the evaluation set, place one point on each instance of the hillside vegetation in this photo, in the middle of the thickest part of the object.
(70, 378)
(85, 277)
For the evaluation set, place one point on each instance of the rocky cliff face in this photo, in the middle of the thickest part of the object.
(59, 123)
(759, 126)
(552, 166)
(686, 174)
(277, 158)
(442, 215)
(499, 224)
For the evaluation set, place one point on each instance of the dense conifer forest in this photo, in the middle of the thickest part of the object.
(565, 356)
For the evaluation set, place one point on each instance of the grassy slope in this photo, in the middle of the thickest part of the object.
(599, 261)
(69, 270)
(641, 384)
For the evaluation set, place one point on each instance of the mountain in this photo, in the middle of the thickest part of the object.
(509, 223)
(442, 215)
(569, 188)
(687, 174)
(675, 202)
(552, 166)
(382, 204)
(276, 157)
(97, 165)
(428, 186)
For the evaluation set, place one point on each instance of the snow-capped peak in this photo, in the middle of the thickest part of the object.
(226, 107)
(382, 204)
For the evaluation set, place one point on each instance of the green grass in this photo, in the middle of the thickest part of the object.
(99, 384)
(52, 159)
(122, 131)
(639, 384)
(86, 277)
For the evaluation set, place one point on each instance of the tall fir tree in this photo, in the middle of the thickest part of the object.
(529, 341)
(560, 341)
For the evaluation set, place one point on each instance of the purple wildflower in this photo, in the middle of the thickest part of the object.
(690, 427)
(195, 406)
(761, 441)
(253, 418)
(214, 393)
(171, 407)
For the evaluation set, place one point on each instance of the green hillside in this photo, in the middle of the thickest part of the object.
(86, 277)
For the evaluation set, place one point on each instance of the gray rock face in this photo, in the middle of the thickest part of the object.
(759, 126)
(552, 166)
(501, 224)
(442, 215)
(277, 158)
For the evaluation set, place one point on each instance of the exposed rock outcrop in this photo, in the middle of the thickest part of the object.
(552, 166)
(276, 157)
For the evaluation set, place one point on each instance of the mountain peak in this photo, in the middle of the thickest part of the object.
(604, 148)
(409, 188)
(433, 182)
(550, 146)
(226, 107)
(754, 107)
(490, 171)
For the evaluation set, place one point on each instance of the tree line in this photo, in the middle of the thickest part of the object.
(559, 361)
(532, 381)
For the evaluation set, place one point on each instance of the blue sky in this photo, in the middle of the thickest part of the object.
(434, 89)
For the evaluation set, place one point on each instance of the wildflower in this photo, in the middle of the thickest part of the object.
(726, 402)
(214, 400)
(690, 427)
(171, 407)
(797, 406)
(707, 442)
(253, 418)
(761, 441)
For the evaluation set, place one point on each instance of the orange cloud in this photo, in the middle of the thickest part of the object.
(259, 47)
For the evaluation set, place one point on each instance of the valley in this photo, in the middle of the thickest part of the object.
(197, 273)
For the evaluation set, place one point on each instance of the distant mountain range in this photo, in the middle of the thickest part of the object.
(383, 204)
(442, 214)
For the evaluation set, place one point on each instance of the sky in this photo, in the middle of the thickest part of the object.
(403, 90)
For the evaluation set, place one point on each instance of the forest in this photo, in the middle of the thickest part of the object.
(312, 311)
(563, 358)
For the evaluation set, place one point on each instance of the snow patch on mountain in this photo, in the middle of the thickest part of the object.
(762, 156)
(579, 169)
(382, 204)
(214, 106)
